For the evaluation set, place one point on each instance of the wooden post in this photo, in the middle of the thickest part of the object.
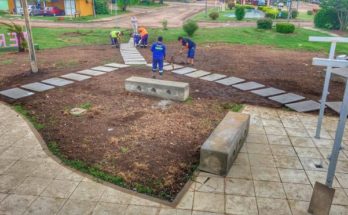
(31, 48)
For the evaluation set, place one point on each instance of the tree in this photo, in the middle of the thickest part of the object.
(18, 30)
(341, 7)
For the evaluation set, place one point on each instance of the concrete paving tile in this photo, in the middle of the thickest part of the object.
(171, 211)
(293, 176)
(317, 176)
(326, 153)
(59, 189)
(340, 197)
(3, 196)
(240, 172)
(323, 143)
(210, 202)
(286, 98)
(16, 204)
(88, 191)
(343, 179)
(287, 162)
(279, 150)
(302, 142)
(48, 169)
(338, 210)
(299, 207)
(116, 65)
(74, 207)
(170, 67)
(213, 77)
(297, 132)
(292, 124)
(91, 72)
(323, 133)
(257, 138)
(16, 93)
(269, 189)
(5, 164)
(104, 208)
(242, 159)
(273, 206)
(268, 92)
(304, 106)
(112, 195)
(201, 213)
(260, 160)
(307, 152)
(67, 174)
(22, 168)
(301, 192)
(248, 86)
(254, 129)
(59, 82)
(15, 153)
(255, 148)
(271, 130)
(104, 68)
(8, 183)
(239, 187)
(32, 186)
(197, 74)
(241, 205)
(76, 77)
(279, 140)
(342, 166)
(45, 205)
(315, 164)
(143, 202)
(265, 174)
(187, 201)
(272, 122)
(136, 210)
(335, 106)
(230, 81)
(37, 87)
(210, 184)
(184, 70)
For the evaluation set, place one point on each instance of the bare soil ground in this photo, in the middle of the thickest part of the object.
(126, 134)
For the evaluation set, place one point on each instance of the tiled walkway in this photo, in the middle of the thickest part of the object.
(273, 174)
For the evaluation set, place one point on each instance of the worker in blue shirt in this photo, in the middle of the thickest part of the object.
(158, 50)
(191, 48)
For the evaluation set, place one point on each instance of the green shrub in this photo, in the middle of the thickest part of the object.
(101, 7)
(310, 12)
(327, 19)
(214, 15)
(264, 23)
(248, 6)
(294, 14)
(284, 14)
(231, 5)
(190, 27)
(240, 13)
(263, 8)
(285, 28)
(271, 13)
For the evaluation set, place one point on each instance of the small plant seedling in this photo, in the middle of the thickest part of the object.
(86, 105)
(189, 100)
(124, 149)
(232, 107)
(25, 113)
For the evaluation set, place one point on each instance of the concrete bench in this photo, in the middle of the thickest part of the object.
(221, 148)
(172, 90)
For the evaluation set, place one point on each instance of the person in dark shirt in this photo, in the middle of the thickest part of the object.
(188, 44)
(158, 50)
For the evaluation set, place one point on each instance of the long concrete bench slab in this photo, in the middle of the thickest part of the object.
(221, 148)
(172, 90)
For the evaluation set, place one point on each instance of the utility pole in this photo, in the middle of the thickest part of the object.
(31, 48)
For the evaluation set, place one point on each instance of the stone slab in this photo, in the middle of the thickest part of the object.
(268, 92)
(135, 62)
(172, 90)
(287, 98)
(116, 65)
(304, 106)
(91, 72)
(76, 77)
(230, 81)
(336, 106)
(184, 70)
(170, 67)
(104, 68)
(248, 86)
(59, 82)
(198, 74)
(37, 87)
(221, 148)
(16, 93)
(150, 64)
(213, 77)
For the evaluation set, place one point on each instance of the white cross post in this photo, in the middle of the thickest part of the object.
(329, 65)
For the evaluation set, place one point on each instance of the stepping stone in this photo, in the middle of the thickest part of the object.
(116, 65)
(184, 70)
(268, 92)
(37, 87)
(150, 65)
(213, 77)
(91, 72)
(286, 98)
(170, 67)
(230, 81)
(104, 68)
(248, 86)
(304, 106)
(197, 74)
(59, 82)
(16, 93)
(75, 77)
(336, 106)
(135, 62)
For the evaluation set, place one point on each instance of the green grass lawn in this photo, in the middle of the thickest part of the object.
(58, 37)
(303, 16)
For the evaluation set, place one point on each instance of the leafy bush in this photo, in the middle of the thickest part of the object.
(240, 13)
(294, 14)
(164, 24)
(327, 19)
(285, 28)
(246, 6)
(264, 23)
(214, 15)
(101, 7)
(271, 13)
(190, 27)
(284, 14)
(231, 5)
(310, 12)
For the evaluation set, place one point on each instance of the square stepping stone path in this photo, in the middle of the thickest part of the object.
(164, 64)
(336, 106)
(91, 72)
(184, 70)
(37, 87)
(170, 67)
(304, 106)
(116, 65)
(59, 82)
(16, 93)
(287, 98)
(213, 77)
(197, 74)
(104, 68)
(248, 86)
(76, 77)
(230, 81)
(268, 92)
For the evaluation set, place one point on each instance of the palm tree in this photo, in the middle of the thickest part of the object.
(18, 30)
